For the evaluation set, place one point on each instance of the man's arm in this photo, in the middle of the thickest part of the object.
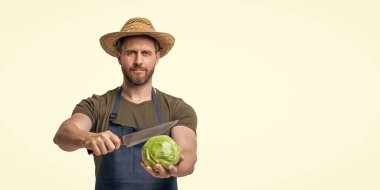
(186, 139)
(74, 133)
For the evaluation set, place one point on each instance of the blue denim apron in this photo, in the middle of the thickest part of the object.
(121, 169)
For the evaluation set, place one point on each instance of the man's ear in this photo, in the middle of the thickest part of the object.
(118, 58)
(158, 55)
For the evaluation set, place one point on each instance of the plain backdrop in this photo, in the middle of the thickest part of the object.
(286, 92)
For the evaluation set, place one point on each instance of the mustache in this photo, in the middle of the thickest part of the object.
(138, 68)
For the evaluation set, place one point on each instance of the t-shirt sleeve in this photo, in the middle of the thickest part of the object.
(185, 114)
(89, 107)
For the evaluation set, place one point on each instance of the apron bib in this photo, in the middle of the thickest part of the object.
(121, 169)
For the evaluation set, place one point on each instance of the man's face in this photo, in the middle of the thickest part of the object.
(138, 59)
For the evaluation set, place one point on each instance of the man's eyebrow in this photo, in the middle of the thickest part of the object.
(130, 50)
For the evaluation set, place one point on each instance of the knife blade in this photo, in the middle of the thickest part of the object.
(143, 135)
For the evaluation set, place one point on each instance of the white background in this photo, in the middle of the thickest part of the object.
(286, 92)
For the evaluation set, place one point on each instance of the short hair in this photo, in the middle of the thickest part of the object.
(120, 42)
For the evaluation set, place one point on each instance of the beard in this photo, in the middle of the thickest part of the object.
(137, 80)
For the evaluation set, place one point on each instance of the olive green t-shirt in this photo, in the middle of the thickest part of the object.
(142, 115)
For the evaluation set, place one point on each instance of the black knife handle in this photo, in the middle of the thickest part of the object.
(90, 152)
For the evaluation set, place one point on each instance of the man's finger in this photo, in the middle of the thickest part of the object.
(172, 170)
(96, 151)
(93, 146)
(181, 158)
(161, 170)
(149, 170)
(109, 145)
(115, 140)
(102, 148)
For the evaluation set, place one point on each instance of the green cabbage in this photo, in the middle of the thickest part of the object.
(162, 150)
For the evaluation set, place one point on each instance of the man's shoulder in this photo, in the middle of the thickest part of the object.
(167, 96)
(107, 96)
(172, 101)
(104, 99)
(96, 104)
(179, 110)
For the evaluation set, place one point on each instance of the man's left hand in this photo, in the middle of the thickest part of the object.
(161, 172)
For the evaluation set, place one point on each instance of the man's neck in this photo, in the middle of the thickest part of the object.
(137, 94)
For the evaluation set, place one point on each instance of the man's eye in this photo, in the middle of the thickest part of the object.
(130, 53)
(146, 53)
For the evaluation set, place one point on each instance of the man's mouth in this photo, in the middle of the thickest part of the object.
(138, 70)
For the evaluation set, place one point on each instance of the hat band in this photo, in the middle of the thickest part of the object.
(137, 28)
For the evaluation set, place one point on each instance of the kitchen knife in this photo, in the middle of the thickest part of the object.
(143, 135)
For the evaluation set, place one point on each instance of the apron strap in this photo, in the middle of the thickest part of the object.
(156, 107)
(115, 110)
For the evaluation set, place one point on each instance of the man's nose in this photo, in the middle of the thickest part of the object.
(139, 59)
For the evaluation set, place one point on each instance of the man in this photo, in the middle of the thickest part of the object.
(97, 123)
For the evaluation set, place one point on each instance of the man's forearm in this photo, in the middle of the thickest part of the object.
(186, 167)
(69, 137)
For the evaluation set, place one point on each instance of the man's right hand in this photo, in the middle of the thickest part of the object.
(102, 143)
(74, 133)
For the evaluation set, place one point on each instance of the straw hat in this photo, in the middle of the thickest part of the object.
(133, 27)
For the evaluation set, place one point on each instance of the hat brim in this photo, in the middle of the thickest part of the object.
(108, 41)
